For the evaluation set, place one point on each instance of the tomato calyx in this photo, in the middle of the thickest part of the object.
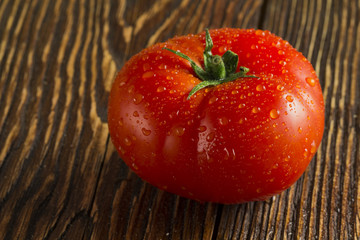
(217, 69)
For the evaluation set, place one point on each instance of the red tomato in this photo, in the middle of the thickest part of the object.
(237, 141)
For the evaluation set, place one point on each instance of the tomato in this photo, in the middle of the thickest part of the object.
(242, 134)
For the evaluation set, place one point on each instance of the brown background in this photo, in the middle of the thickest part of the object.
(60, 177)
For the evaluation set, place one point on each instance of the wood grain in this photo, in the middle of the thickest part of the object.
(60, 176)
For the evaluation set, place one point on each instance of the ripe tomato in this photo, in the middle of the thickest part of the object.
(228, 141)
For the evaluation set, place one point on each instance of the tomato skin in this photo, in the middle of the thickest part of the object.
(239, 141)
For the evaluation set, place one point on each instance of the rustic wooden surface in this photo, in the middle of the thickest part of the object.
(60, 176)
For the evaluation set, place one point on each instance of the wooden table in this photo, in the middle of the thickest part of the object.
(60, 176)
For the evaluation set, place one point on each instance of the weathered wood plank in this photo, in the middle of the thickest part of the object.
(60, 176)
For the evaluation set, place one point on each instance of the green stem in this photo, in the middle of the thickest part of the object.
(218, 70)
(217, 67)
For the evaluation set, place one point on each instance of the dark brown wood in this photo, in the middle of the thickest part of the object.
(60, 176)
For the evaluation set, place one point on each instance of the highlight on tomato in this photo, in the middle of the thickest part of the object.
(227, 115)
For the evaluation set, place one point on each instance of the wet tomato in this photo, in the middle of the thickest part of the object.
(228, 115)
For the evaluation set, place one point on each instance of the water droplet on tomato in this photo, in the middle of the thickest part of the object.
(190, 122)
(134, 166)
(289, 98)
(121, 122)
(146, 67)
(223, 49)
(276, 44)
(127, 141)
(313, 147)
(146, 132)
(145, 57)
(275, 166)
(306, 152)
(241, 135)
(224, 97)
(241, 105)
(179, 131)
(300, 130)
(310, 81)
(162, 66)
(138, 98)
(131, 89)
(148, 74)
(260, 88)
(122, 151)
(161, 89)
(136, 114)
(280, 87)
(281, 62)
(255, 110)
(227, 154)
(223, 121)
(202, 128)
(259, 33)
(210, 136)
(274, 113)
(213, 99)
